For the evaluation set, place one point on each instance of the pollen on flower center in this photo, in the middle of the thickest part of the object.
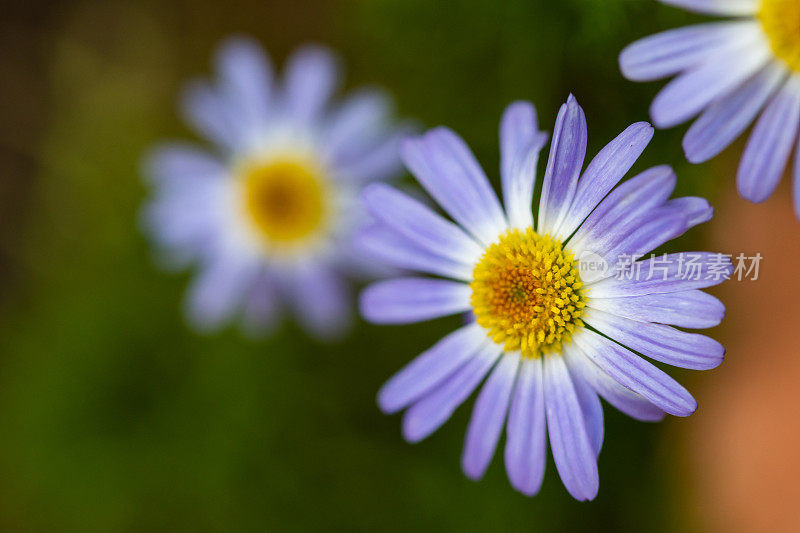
(284, 198)
(781, 22)
(527, 293)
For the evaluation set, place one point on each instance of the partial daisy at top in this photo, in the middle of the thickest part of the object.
(553, 324)
(267, 211)
(731, 73)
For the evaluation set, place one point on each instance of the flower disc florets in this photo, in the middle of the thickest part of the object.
(526, 291)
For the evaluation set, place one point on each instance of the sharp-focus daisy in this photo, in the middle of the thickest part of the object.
(729, 72)
(552, 334)
(269, 213)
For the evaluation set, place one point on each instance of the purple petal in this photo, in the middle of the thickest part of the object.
(692, 91)
(322, 300)
(591, 409)
(717, 7)
(604, 172)
(636, 374)
(667, 274)
(387, 246)
(408, 300)
(209, 114)
(312, 76)
(433, 410)
(488, 417)
(623, 399)
(445, 166)
(770, 144)
(696, 210)
(379, 161)
(670, 52)
(687, 309)
(633, 238)
(262, 311)
(520, 144)
(246, 79)
(181, 166)
(431, 368)
(651, 231)
(181, 227)
(192, 217)
(526, 433)
(564, 165)
(660, 342)
(419, 224)
(355, 124)
(572, 450)
(218, 292)
(726, 119)
(627, 202)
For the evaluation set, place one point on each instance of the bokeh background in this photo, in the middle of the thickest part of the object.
(115, 417)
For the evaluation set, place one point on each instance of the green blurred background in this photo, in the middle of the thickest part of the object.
(115, 417)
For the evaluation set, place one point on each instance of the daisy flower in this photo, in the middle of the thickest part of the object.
(267, 214)
(730, 73)
(551, 334)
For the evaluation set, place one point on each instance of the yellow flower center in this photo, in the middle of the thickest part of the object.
(781, 22)
(285, 198)
(526, 292)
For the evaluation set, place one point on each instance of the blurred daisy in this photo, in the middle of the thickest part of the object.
(551, 333)
(730, 72)
(267, 215)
